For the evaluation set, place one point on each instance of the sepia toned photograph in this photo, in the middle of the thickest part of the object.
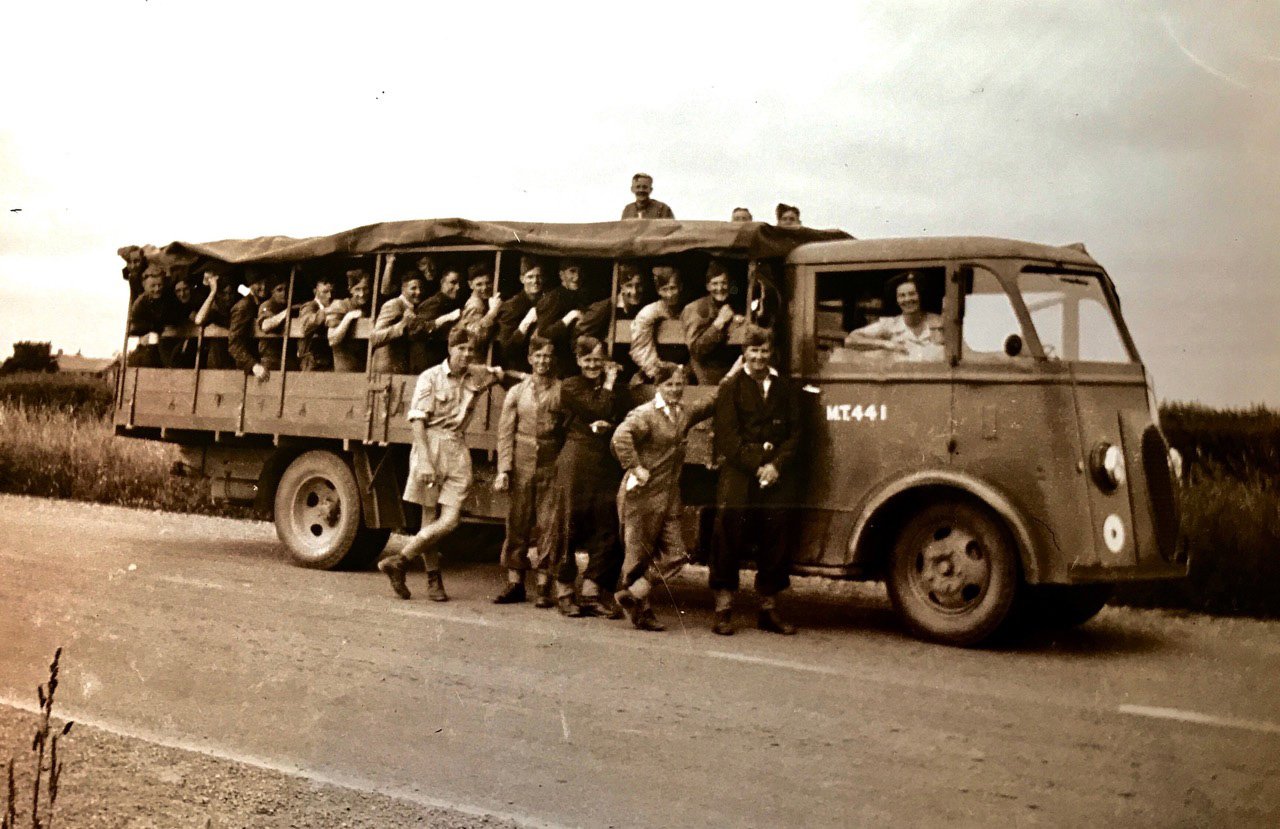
(565, 415)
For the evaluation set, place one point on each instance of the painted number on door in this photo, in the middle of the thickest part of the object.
(846, 412)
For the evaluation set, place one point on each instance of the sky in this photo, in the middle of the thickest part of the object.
(1150, 131)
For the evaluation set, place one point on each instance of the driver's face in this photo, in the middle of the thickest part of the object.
(908, 298)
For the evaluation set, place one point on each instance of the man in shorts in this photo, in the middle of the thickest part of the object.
(439, 461)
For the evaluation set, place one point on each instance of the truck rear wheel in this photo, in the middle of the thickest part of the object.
(317, 513)
(954, 573)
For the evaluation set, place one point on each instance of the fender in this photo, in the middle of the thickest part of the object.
(976, 487)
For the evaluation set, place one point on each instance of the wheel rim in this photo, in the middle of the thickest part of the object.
(951, 571)
(317, 514)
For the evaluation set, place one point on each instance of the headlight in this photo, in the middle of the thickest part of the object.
(1107, 462)
(1175, 464)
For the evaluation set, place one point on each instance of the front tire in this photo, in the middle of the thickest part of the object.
(317, 513)
(954, 573)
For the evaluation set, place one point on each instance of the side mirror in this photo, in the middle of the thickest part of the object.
(1013, 345)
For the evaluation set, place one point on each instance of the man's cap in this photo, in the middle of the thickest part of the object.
(478, 269)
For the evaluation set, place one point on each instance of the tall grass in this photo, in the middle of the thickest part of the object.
(82, 397)
(57, 453)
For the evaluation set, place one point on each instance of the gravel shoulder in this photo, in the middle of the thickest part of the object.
(115, 781)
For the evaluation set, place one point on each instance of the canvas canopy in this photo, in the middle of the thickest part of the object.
(611, 240)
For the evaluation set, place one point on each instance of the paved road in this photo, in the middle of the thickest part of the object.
(195, 631)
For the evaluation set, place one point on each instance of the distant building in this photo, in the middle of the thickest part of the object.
(102, 367)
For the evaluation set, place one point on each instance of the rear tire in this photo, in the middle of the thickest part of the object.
(317, 513)
(1063, 606)
(954, 573)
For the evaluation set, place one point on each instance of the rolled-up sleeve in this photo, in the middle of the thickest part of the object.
(423, 397)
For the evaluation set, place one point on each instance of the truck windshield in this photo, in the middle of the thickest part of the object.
(1072, 316)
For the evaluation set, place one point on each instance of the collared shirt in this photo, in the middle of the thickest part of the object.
(529, 428)
(653, 209)
(671, 411)
(445, 400)
(923, 346)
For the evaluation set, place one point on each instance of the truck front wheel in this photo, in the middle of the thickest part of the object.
(317, 513)
(954, 573)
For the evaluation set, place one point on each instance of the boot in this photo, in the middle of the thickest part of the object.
(770, 621)
(513, 593)
(630, 605)
(646, 620)
(568, 608)
(609, 608)
(544, 599)
(394, 566)
(435, 587)
(724, 623)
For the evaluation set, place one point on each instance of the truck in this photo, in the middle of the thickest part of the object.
(1011, 472)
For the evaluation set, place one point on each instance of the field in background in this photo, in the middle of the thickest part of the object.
(56, 441)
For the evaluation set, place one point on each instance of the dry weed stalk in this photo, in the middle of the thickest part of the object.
(45, 738)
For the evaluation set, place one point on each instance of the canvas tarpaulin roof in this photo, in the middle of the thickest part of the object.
(612, 240)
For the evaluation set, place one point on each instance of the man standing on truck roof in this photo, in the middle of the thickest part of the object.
(644, 207)
(242, 341)
(439, 460)
(757, 432)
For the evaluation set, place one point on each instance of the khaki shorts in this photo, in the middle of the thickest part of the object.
(451, 461)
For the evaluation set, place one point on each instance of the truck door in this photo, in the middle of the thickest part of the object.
(878, 401)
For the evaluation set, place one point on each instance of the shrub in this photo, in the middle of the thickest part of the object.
(1239, 443)
(80, 396)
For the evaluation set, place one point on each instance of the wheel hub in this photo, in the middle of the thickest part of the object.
(318, 510)
(952, 570)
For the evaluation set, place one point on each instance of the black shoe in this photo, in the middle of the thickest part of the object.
(544, 599)
(724, 623)
(610, 608)
(630, 605)
(393, 566)
(513, 593)
(770, 621)
(567, 607)
(591, 606)
(435, 587)
(648, 621)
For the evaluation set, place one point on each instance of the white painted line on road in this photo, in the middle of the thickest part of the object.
(1182, 715)
(342, 781)
(776, 663)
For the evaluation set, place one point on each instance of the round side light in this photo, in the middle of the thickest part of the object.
(1107, 463)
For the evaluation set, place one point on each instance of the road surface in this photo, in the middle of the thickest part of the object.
(195, 632)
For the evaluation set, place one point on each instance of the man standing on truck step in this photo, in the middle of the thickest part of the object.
(439, 460)
(757, 431)
(644, 207)
(242, 341)
(518, 315)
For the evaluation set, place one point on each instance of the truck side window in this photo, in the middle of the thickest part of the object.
(865, 319)
(989, 322)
